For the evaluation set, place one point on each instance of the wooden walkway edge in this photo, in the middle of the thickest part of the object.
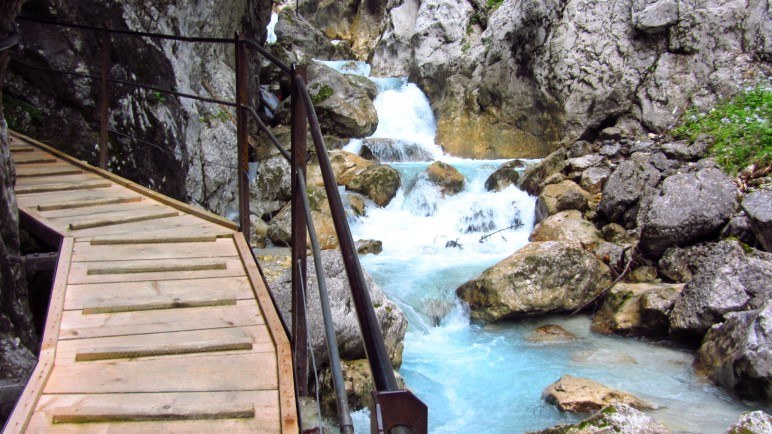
(160, 319)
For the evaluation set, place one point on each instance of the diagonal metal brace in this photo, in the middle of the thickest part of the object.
(398, 412)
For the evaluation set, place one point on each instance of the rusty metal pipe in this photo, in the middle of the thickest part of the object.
(271, 137)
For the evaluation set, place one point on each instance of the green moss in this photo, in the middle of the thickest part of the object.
(609, 410)
(322, 94)
(494, 4)
(740, 127)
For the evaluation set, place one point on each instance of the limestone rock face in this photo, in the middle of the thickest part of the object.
(344, 108)
(613, 418)
(581, 395)
(563, 196)
(447, 177)
(391, 320)
(752, 422)
(758, 206)
(624, 188)
(380, 183)
(689, 206)
(299, 35)
(541, 277)
(636, 309)
(736, 353)
(569, 227)
(729, 280)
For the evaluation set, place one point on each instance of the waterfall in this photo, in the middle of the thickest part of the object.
(489, 378)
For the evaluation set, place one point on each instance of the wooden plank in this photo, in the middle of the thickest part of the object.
(214, 410)
(201, 341)
(201, 213)
(26, 404)
(83, 177)
(285, 371)
(184, 222)
(110, 294)
(151, 266)
(252, 371)
(265, 403)
(129, 208)
(33, 158)
(86, 203)
(115, 240)
(46, 170)
(52, 199)
(21, 148)
(130, 271)
(87, 251)
(118, 218)
(165, 304)
(75, 325)
(256, 335)
(46, 188)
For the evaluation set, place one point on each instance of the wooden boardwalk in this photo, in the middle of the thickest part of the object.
(159, 320)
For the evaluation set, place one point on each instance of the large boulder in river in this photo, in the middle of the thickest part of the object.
(344, 108)
(636, 309)
(560, 197)
(752, 422)
(690, 206)
(346, 166)
(391, 320)
(447, 177)
(758, 208)
(736, 353)
(379, 182)
(624, 188)
(615, 418)
(540, 278)
(581, 395)
(504, 176)
(536, 174)
(569, 227)
(729, 280)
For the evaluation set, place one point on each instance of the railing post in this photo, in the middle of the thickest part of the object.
(299, 272)
(242, 134)
(104, 97)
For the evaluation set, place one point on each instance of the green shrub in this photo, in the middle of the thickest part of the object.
(493, 4)
(740, 127)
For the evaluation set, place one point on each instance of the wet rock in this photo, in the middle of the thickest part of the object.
(344, 109)
(735, 353)
(624, 189)
(582, 395)
(541, 277)
(365, 247)
(357, 203)
(347, 166)
(551, 333)
(537, 173)
(504, 176)
(560, 197)
(613, 418)
(594, 178)
(690, 206)
(569, 227)
(389, 150)
(623, 311)
(447, 177)
(380, 183)
(758, 207)
(391, 320)
(680, 263)
(358, 382)
(729, 280)
(752, 422)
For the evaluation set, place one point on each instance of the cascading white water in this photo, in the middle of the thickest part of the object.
(489, 378)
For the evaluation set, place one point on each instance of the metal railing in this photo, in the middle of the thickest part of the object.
(394, 410)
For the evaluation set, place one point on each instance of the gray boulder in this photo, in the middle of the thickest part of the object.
(758, 207)
(391, 320)
(624, 189)
(594, 178)
(615, 418)
(636, 309)
(344, 108)
(689, 206)
(379, 182)
(730, 280)
(560, 197)
(736, 353)
(679, 264)
(540, 278)
(654, 16)
(534, 175)
(752, 422)
(504, 176)
(271, 188)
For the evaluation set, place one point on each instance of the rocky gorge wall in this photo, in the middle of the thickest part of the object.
(517, 79)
